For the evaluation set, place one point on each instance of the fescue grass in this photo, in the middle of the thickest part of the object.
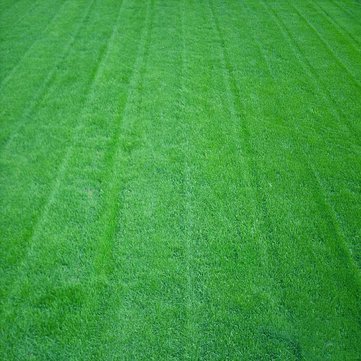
(180, 180)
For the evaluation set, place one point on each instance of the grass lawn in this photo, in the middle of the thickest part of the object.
(180, 180)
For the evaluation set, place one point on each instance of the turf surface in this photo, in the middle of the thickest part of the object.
(180, 180)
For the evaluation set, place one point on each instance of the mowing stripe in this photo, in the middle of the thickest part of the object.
(261, 196)
(191, 329)
(346, 10)
(26, 13)
(352, 76)
(321, 194)
(311, 72)
(272, 249)
(69, 150)
(46, 85)
(12, 8)
(110, 216)
(355, 43)
(329, 208)
(38, 225)
(35, 79)
(14, 69)
(186, 186)
(87, 244)
(17, 38)
(350, 272)
(54, 124)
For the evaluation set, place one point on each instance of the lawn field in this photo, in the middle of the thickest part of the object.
(180, 180)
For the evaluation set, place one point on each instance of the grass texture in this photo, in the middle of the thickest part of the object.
(180, 180)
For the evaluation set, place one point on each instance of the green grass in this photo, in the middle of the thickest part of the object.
(180, 180)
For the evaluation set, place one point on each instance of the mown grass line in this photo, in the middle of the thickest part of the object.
(36, 222)
(113, 236)
(346, 92)
(189, 349)
(320, 187)
(354, 43)
(16, 66)
(216, 242)
(290, 336)
(190, 219)
(21, 284)
(255, 181)
(20, 18)
(255, 26)
(113, 199)
(38, 225)
(191, 130)
(336, 110)
(321, 194)
(186, 188)
(95, 282)
(45, 87)
(241, 96)
(17, 38)
(346, 10)
(30, 179)
(344, 49)
(109, 218)
(312, 73)
(55, 180)
(147, 276)
(9, 9)
(352, 76)
(133, 252)
(40, 75)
